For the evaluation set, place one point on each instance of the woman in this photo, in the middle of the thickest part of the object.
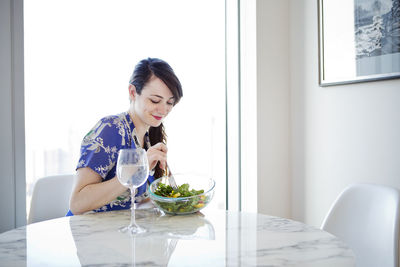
(154, 90)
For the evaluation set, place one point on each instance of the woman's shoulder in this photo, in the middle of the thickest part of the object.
(108, 125)
(113, 119)
(118, 121)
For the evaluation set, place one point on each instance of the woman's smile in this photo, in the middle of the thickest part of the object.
(157, 117)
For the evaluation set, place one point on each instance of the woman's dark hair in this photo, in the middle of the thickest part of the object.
(143, 72)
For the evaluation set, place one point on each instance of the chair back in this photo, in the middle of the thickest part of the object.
(366, 217)
(50, 197)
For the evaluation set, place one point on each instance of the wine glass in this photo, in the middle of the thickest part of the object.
(132, 172)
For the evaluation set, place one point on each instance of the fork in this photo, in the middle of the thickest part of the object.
(171, 178)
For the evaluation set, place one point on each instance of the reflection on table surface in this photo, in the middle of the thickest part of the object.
(213, 238)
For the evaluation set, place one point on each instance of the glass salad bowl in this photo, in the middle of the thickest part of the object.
(193, 194)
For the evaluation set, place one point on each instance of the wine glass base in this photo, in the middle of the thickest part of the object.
(159, 212)
(133, 230)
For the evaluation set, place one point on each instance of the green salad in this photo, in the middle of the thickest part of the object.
(184, 205)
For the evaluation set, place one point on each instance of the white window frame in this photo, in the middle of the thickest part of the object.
(12, 141)
(241, 110)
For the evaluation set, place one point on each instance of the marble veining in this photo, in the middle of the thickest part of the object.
(211, 238)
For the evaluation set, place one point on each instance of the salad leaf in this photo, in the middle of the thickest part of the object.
(182, 191)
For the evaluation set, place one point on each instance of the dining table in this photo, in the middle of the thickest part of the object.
(208, 238)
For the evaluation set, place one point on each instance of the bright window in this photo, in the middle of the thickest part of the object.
(79, 56)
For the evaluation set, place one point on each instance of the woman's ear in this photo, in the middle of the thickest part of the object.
(132, 92)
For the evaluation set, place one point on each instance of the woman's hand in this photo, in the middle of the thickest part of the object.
(157, 153)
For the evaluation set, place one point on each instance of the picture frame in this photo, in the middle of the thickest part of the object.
(359, 41)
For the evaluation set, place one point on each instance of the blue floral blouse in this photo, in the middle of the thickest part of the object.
(99, 151)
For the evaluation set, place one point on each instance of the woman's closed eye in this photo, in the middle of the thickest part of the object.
(158, 101)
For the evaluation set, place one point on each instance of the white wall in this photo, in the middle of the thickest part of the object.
(314, 141)
(340, 134)
(273, 117)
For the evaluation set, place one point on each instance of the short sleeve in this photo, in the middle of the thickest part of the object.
(99, 148)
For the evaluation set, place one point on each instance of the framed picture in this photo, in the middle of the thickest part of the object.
(359, 40)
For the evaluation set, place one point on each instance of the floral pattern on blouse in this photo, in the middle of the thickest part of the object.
(99, 151)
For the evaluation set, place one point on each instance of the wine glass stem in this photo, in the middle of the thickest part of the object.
(133, 191)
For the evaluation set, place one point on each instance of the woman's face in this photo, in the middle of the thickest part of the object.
(153, 104)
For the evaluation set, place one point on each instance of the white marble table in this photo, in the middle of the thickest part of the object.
(213, 238)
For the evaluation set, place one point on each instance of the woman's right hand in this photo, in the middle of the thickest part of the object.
(157, 153)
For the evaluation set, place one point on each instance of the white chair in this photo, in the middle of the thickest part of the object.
(366, 218)
(50, 197)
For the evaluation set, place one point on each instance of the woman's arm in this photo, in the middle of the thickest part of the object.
(90, 192)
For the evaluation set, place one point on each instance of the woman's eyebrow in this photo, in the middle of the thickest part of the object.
(162, 97)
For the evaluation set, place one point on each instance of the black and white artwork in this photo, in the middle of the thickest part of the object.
(359, 41)
(377, 36)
